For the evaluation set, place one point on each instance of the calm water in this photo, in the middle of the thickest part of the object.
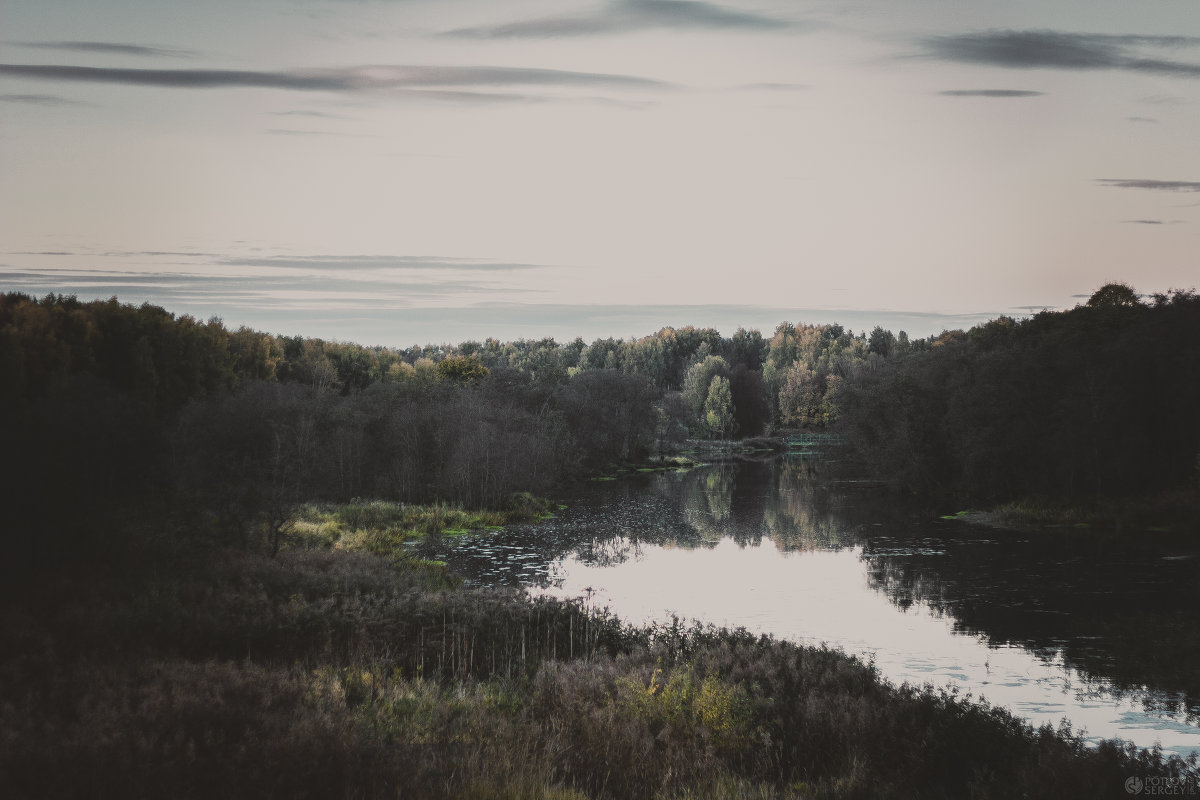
(1102, 631)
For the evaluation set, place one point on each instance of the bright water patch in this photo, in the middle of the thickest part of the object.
(824, 597)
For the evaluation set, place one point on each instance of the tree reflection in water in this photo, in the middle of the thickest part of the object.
(1123, 616)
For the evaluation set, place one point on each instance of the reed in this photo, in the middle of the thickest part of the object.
(334, 673)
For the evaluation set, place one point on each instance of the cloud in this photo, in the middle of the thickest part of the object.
(447, 264)
(153, 254)
(1164, 100)
(332, 262)
(307, 291)
(302, 113)
(41, 253)
(293, 132)
(1152, 221)
(113, 254)
(436, 82)
(1142, 183)
(39, 100)
(627, 16)
(990, 93)
(1141, 119)
(1060, 50)
(437, 306)
(111, 48)
(773, 87)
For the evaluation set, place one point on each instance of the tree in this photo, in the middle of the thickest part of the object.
(461, 369)
(249, 457)
(805, 399)
(1120, 295)
(698, 381)
(718, 407)
(750, 409)
(747, 348)
(609, 414)
(881, 342)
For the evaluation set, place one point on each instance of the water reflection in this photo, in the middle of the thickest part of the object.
(1101, 631)
(1109, 607)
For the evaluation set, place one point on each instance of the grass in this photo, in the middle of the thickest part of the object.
(382, 527)
(654, 463)
(1167, 513)
(336, 672)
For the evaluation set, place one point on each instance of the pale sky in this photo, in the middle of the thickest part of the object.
(400, 171)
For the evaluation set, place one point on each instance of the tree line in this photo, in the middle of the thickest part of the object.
(1096, 402)
(117, 416)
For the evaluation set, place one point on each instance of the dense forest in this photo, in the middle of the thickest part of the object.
(135, 413)
(1098, 402)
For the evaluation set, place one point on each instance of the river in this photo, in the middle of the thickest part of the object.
(1097, 629)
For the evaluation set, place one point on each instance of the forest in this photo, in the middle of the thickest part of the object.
(134, 411)
(137, 413)
(169, 611)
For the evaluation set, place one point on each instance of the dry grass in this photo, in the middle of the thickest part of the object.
(328, 673)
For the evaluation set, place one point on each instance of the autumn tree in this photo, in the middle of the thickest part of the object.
(460, 369)
(718, 407)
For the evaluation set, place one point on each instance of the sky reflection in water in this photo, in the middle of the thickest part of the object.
(770, 549)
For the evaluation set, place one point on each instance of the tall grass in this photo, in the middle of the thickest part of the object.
(328, 673)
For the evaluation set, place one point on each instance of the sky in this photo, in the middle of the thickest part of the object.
(426, 171)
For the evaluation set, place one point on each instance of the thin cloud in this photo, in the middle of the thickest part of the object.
(293, 132)
(1140, 119)
(313, 290)
(114, 253)
(435, 82)
(628, 16)
(111, 48)
(153, 254)
(303, 113)
(1143, 183)
(41, 253)
(332, 262)
(1169, 100)
(990, 93)
(314, 262)
(627, 105)
(1152, 221)
(487, 98)
(39, 100)
(1061, 50)
(773, 87)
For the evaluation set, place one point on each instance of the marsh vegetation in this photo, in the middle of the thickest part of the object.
(324, 673)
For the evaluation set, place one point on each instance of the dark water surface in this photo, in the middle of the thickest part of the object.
(1098, 629)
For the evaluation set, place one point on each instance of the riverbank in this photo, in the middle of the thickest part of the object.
(1170, 516)
(687, 454)
(336, 673)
